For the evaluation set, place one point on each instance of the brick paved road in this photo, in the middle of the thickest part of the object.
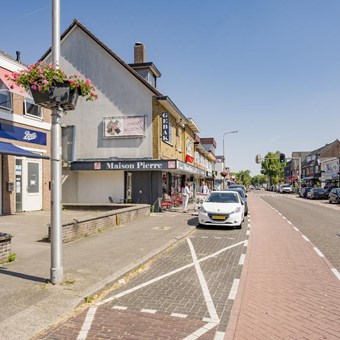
(186, 292)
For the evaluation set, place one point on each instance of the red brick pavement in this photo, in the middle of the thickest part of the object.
(287, 291)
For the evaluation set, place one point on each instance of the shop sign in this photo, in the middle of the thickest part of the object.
(165, 127)
(21, 134)
(127, 126)
(189, 168)
(125, 165)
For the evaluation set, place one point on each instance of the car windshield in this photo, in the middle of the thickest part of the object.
(240, 191)
(223, 197)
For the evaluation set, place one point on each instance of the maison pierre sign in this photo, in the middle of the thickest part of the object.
(124, 165)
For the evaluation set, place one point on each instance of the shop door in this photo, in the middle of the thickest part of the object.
(31, 185)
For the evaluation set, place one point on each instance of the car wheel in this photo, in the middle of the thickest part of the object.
(330, 202)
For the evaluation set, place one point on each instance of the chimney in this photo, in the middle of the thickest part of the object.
(18, 56)
(139, 53)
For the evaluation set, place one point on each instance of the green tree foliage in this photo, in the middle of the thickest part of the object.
(271, 167)
(243, 177)
(258, 180)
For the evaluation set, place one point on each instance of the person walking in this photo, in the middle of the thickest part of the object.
(185, 195)
(204, 188)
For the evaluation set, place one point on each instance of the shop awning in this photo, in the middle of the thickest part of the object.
(10, 149)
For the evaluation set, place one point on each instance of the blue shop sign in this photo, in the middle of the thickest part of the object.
(23, 135)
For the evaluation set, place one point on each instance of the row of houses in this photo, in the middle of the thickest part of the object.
(133, 144)
(320, 167)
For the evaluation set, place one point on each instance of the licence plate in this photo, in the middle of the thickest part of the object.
(219, 217)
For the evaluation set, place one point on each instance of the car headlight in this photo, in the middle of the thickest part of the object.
(202, 209)
(237, 210)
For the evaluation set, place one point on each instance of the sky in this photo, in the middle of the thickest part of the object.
(269, 69)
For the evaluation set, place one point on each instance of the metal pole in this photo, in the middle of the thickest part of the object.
(224, 160)
(56, 170)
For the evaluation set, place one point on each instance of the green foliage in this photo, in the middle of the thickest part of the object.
(271, 167)
(11, 257)
(258, 180)
(243, 177)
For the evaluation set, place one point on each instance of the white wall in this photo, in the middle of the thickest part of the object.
(120, 94)
(96, 187)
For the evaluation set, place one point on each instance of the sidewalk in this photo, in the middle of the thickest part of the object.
(287, 290)
(29, 304)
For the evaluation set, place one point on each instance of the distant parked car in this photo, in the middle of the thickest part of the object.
(286, 188)
(317, 194)
(232, 186)
(334, 196)
(303, 191)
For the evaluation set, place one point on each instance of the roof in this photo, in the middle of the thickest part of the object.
(76, 24)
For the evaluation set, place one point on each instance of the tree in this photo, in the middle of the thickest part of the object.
(243, 177)
(258, 180)
(271, 167)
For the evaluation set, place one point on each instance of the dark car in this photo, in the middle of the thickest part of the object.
(318, 194)
(243, 196)
(334, 195)
(303, 192)
(233, 186)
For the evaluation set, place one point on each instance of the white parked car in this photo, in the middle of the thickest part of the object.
(222, 208)
(286, 188)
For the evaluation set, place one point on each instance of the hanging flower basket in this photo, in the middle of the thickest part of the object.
(51, 87)
(59, 94)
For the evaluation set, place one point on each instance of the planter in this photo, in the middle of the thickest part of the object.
(57, 95)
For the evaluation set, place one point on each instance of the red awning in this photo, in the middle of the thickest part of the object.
(189, 159)
(12, 86)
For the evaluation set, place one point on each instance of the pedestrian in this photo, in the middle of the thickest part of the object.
(204, 188)
(185, 195)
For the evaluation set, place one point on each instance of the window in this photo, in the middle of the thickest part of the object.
(33, 177)
(5, 99)
(31, 108)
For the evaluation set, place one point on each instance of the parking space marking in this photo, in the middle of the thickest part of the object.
(87, 323)
(210, 305)
(219, 335)
(206, 328)
(149, 311)
(205, 290)
(119, 307)
(179, 315)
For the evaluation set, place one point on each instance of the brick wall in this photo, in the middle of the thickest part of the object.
(109, 220)
(5, 247)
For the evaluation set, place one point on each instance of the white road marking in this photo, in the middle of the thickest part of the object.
(296, 229)
(318, 252)
(206, 328)
(150, 311)
(205, 290)
(336, 273)
(247, 232)
(242, 258)
(219, 335)
(119, 307)
(87, 323)
(305, 238)
(169, 274)
(178, 315)
(246, 243)
(233, 290)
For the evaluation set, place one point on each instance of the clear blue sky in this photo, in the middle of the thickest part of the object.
(268, 68)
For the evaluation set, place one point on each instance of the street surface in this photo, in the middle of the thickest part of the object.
(188, 291)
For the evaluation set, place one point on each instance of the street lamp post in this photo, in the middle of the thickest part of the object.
(224, 162)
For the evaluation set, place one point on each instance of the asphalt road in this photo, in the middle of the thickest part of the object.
(318, 220)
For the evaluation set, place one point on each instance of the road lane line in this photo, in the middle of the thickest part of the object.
(305, 238)
(318, 252)
(336, 273)
(205, 290)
